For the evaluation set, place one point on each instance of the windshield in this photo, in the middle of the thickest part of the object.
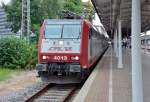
(53, 31)
(71, 31)
(62, 31)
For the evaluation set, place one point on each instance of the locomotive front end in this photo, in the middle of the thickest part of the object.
(59, 48)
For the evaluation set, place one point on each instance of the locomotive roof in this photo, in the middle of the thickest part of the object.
(63, 21)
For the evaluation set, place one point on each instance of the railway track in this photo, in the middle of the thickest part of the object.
(57, 92)
(53, 93)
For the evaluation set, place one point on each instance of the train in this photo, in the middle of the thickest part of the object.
(145, 42)
(68, 48)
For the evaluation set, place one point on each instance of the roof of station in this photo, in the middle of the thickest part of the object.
(110, 10)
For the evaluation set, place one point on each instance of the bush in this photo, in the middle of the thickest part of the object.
(16, 53)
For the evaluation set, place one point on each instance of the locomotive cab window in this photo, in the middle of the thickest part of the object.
(53, 31)
(70, 31)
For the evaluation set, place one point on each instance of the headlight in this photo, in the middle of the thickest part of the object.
(44, 57)
(75, 58)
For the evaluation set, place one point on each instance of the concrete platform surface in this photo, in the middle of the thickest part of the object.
(107, 83)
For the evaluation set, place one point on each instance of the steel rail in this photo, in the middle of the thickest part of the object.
(38, 93)
(69, 90)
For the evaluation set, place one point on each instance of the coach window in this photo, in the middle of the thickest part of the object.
(148, 41)
(143, 42)
(90, 33)
(53, 31)
(94, 34)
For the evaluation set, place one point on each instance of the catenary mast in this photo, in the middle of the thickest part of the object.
(25, 21)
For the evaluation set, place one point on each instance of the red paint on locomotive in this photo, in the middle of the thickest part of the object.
(64, 54)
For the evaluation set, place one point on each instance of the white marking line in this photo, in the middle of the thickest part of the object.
(86, 87)
(110, 97)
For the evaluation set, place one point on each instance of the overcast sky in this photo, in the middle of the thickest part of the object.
(85, 0)
(5, 1)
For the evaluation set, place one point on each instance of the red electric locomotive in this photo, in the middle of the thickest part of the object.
(68, 48)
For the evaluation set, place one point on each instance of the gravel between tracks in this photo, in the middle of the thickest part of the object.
(21, 95)
(19, 86)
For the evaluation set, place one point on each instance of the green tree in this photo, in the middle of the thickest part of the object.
(14, 14)
(40, 9)
(73, 5)
(16, 53)
(88, 10)
(51, 8)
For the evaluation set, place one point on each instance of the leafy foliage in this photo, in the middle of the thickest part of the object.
(50, 8)
(40, 9)
(73, 5)
(88, 10)
(14, 14)
(16, 53)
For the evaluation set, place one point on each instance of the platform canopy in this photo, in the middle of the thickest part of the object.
(110, 10)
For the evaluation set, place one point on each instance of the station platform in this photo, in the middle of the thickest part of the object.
(107, 83)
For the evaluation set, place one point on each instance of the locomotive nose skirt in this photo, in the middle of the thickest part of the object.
(41, 67)
(65, 68)
(75, 68)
